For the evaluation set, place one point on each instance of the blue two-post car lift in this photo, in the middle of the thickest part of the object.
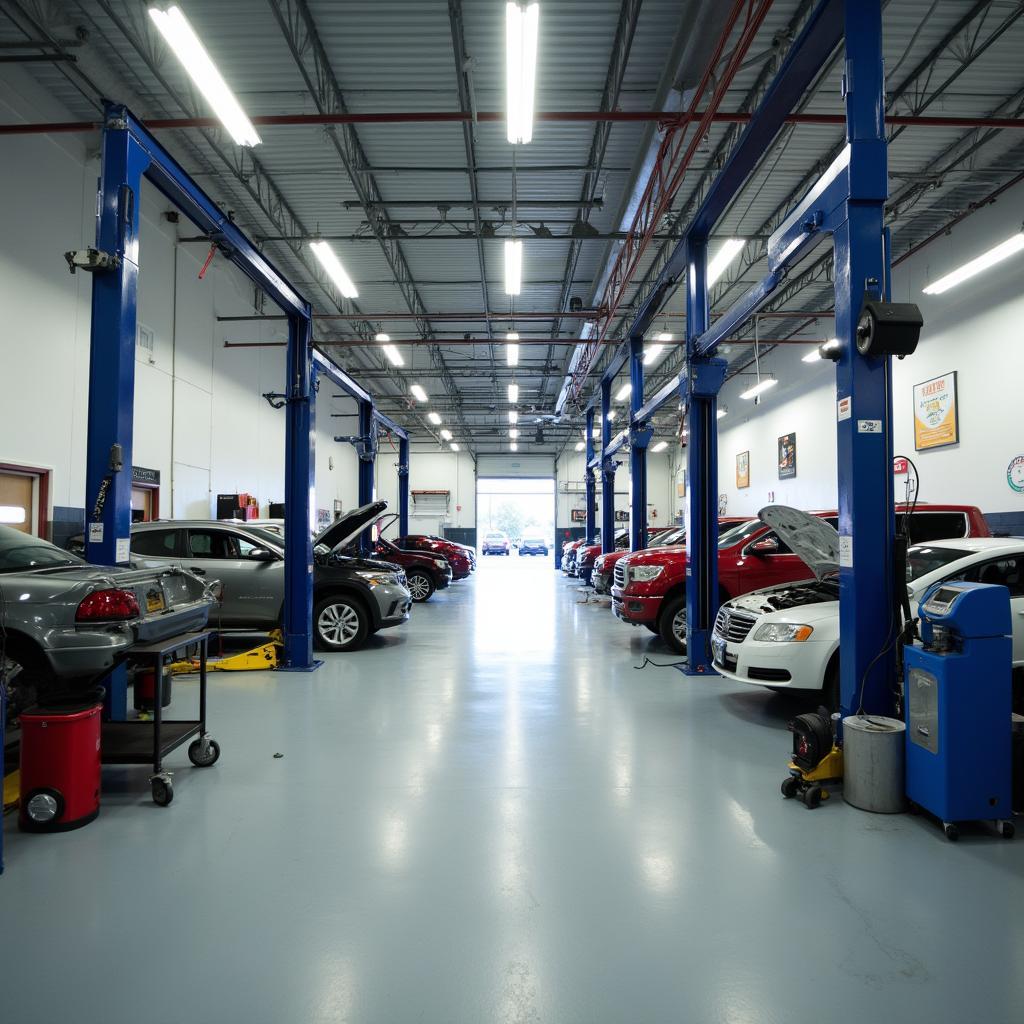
(846, 204)
(129, 153)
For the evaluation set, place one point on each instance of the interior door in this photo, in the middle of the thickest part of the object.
(17, 492)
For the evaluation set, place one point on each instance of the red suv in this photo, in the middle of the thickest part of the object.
(649, 587)
(460, 557)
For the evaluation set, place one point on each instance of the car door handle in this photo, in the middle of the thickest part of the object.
(197, 570)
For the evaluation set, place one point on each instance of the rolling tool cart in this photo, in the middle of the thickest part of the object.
(144, 742)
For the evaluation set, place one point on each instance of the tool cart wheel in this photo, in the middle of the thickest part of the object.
(203, 752)
(1007, 829)
(163, 790)
(789, 787)
(951, 830)
(812, 797)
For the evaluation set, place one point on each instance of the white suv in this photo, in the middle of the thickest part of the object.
(496, 543)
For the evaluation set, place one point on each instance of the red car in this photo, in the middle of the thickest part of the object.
(586, 554)
(649, 587)
(569, 549)
(461, 558)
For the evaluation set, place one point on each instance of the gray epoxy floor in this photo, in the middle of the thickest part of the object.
(490, 816)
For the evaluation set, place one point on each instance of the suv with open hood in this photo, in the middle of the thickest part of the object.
(353, 597)
(787, 637)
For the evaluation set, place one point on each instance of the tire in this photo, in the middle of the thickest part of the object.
(32, 681)
(653, 627)
(672, 624)
(162, 790)
(789, 787)
(830, 686)
(340, 623)
(203, 759)
(812, 797)
(420, 584)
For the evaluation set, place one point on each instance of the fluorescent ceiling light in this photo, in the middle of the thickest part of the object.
(814, 356)
(382, 337)
(512, 350)
(513, 416)
(418, 393)
(514, 447)
(455, 447)
(759, 388)
(335, 271)
(623, 393)
(660, 446)
(611, 415)
(513, 433)
(730, 249)
(434, 418)
(181, 38)
(394, 356)
(446, 435)
(580, 446)
(513, 266)
(513, 393)
(651, 352)
(719, 413)
(521, 31)
(988, 259)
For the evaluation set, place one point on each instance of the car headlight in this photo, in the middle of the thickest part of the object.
(645, 573)
(784, 632)
(378, 579)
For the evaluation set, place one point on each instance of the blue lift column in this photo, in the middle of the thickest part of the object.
(866, 519)
(403, 487)
(607, 472)
(299, 483)
(699, 391)
(366, 451)
(590, 482)
(639, 438)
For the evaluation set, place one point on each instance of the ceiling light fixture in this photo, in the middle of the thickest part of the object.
(623, 393)
(335, 271)
(521, 31)
(513, 266)
(580, 446)
(512, 350)
(759, 388)
(446, 435)
(434, 418)
(730, 249)
(418, 393)
(1003, 251)
(513, 394)
(611, 415)
(660, 446)
(513, 416)
(182, 39)
(514, 447)
(719, 413)
(513, 433)
(455, 447)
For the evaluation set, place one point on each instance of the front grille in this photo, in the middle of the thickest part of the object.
(620, 574)
(733, 625)
(770, 675)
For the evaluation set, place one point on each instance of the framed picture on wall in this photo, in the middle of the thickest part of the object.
(787, 456)
(743, 469)
(681, 486)
(936, 417)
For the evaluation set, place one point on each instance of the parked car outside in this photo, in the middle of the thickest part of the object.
(353, 597)
(533, 544)
(461, 557)
(787, 637)
(425, 572)
(64, 619)
(496, 543)
(649, 587)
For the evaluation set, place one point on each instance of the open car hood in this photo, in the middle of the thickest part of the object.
(344, 530)
(811, 539)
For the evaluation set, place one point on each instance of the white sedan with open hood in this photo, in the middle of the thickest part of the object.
(787, 637)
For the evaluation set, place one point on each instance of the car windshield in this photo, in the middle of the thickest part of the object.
(20, 552)
(739, 533)
(273, 540)
(925, 558)
(667, 538)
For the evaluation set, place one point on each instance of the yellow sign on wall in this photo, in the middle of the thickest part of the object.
(936, 422)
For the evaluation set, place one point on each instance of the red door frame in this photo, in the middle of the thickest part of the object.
(43, 523)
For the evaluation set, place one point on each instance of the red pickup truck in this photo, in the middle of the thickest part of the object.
(649, 587)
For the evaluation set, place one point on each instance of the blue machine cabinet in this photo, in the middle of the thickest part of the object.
(958, 687)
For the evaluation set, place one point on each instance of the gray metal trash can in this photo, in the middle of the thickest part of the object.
(874, 757)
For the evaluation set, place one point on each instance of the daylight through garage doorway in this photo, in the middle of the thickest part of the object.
(518, 507)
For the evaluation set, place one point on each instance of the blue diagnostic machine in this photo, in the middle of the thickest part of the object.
(958, 706)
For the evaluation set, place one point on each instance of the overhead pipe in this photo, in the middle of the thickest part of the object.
(611, 342)
(666, 118)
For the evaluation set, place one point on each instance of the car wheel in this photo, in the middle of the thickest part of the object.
(340, 623)
(421, 586)
(672, 624)
(29, 676)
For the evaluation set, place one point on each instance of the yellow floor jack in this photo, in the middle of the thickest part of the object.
(265, 656)
(817, 760)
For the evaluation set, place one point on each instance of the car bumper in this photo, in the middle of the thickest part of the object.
(73, 653)
(601, 582)
(394, 604)
(795, 666)
(637, 611)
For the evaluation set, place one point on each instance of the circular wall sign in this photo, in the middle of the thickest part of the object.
(1015, 473)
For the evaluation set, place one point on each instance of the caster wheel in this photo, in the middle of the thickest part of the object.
(951, 830)
(812, 798)
(789, 787)
(204, 752)
(163, 790)
(1007, 829)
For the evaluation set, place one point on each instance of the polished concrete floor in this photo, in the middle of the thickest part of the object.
(490, 815)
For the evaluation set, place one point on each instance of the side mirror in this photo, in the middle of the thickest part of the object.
(262, 555)
(768, 546)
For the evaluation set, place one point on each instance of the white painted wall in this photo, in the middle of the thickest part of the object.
(975, 329)
(569, 484)
(431, 471)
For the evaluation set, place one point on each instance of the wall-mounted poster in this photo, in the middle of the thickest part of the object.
(743, 469)
(936, 421)
(787, 456)
(681, 485)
